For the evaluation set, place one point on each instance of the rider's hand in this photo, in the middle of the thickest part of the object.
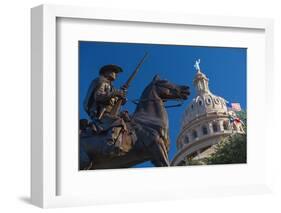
(124, 88)
(120, 93)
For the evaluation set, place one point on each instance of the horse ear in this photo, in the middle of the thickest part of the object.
(156, 78)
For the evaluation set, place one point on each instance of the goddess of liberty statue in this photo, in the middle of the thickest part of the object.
(196, 65)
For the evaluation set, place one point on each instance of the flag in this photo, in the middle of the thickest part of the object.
(234, 106)
(237, 120)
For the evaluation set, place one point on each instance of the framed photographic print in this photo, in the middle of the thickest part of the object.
(151, 106)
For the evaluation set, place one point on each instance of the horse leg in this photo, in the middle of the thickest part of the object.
(159, 153)
(84, 160)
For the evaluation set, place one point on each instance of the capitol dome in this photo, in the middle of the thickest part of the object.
(205, 102)
(205, 122)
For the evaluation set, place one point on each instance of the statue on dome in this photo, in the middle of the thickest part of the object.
(196, 65)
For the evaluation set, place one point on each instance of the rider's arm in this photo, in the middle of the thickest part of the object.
(103, 93)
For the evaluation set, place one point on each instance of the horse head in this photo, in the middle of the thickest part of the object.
(169, 91)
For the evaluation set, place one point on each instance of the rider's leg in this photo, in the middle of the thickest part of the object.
(111, 147)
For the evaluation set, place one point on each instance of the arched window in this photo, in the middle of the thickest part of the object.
(226, 125)
(208, 100)
(194, 134)
(215, 127)
(204, 130)
(217, 100)
(186, 140)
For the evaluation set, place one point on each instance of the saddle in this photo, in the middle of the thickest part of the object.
(123, 136)
(126, 138)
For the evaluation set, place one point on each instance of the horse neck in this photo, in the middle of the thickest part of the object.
(152, 107)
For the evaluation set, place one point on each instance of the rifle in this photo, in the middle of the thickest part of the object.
(125, 86)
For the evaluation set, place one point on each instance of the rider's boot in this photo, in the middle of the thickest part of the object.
(111, 148)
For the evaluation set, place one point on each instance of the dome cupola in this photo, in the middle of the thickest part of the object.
(205, 102)
(201, 82)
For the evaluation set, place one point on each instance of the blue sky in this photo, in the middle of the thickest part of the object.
(224, 66)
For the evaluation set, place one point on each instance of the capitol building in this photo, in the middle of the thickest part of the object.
(206, 121)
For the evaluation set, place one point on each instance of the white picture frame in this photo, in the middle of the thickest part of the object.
(44, 154)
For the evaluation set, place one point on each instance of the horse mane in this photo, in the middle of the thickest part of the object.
(144, 114)
(145, 95)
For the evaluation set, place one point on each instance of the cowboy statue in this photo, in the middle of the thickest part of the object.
(100, 101)
(103, 103)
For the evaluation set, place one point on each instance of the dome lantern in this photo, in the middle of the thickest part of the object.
(201, 82)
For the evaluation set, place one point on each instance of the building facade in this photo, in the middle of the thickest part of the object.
(206, 121)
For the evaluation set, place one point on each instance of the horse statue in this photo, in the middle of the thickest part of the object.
(148, 125)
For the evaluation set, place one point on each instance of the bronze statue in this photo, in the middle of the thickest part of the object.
(115, 140)
(101, 95)
(100, 100)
